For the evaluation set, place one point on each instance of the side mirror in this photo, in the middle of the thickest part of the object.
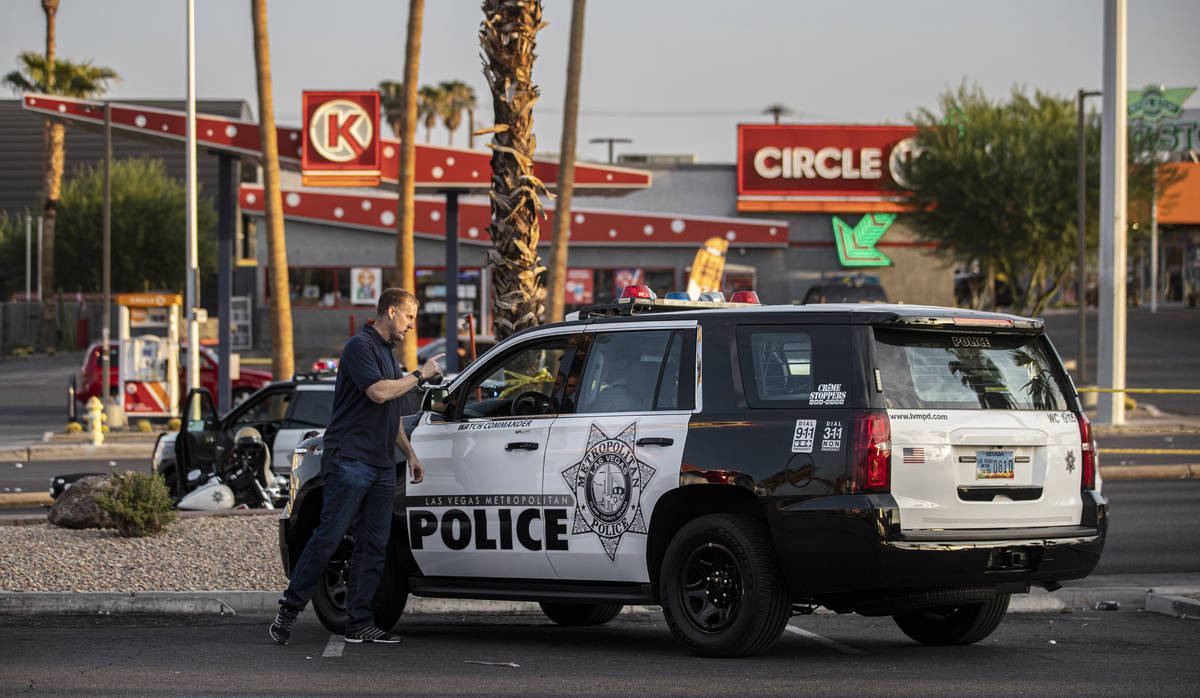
(436, 400)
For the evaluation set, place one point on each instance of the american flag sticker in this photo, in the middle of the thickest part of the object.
(914, 455)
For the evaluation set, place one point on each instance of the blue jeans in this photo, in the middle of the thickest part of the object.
(358, 493)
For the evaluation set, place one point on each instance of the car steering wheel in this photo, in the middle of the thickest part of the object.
(532, 402)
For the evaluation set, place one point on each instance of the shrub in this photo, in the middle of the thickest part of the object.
(138, 503)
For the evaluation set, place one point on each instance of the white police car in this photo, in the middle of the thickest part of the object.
(738, 463)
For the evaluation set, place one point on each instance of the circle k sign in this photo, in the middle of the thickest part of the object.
(341, 143)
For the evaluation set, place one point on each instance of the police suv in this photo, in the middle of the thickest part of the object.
(737, 464)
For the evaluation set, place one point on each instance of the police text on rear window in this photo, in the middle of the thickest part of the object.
(935, 370)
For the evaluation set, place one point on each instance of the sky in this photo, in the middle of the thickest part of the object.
(675, 76)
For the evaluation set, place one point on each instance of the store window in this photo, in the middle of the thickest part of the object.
(316, 288)
(608, 281)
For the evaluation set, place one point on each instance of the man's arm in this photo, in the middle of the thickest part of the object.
(414, 463)
(384, 390)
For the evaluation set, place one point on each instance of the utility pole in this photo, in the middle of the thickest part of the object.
(193, 270)
(106, 262)
(1111, 407)
(610, 140)
(1082, 282)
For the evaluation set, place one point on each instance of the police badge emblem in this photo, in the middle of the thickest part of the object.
(608, 484)
(1070, 461)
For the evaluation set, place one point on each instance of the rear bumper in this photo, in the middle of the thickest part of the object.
(854, 543)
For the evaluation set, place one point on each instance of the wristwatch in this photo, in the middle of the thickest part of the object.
(420, 377)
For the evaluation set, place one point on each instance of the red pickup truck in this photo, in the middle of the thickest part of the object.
(89, 378)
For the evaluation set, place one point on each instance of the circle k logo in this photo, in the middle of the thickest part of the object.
(340, 130)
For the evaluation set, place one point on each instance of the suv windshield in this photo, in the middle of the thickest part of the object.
(933, 370)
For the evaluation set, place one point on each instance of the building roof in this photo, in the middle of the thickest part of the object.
(21, 149)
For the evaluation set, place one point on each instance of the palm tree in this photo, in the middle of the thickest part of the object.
(282, 359)
(778, 110)
(393, 105)
(405, 216)
(507, 35)
(47, 75)
(566, 170)
(429, 107)
(457, 96)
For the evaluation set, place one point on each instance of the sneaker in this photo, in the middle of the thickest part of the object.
(281, 629)
(372, 634)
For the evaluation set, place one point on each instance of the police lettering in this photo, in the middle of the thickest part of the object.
(458, 529)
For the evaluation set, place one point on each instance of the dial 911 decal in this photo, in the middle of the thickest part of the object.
(608, 484)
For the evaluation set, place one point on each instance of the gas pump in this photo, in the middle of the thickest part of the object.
(148, 364)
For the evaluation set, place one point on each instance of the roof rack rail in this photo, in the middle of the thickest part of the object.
(637, 306)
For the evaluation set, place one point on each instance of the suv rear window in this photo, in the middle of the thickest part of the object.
(935, 370)
(794, 366)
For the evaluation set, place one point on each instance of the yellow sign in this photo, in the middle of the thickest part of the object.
(708, 267)
(149, 300)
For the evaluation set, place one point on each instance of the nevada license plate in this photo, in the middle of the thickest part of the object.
(991, 465)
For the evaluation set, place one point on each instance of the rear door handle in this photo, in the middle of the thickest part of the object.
(655, 441)
(521, 446)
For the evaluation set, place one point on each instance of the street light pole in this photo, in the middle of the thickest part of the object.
(193, 270)
(1081, 286)
(106, 263)
(1111, 365)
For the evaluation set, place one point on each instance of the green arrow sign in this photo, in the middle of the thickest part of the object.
(856, 246)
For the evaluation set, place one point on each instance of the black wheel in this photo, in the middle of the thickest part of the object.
(329, 598)
(171, 478)
(961, 624)
(581, 613)
(721, 589)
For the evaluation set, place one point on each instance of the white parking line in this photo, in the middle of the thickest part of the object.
(335, 646)
(845, 649)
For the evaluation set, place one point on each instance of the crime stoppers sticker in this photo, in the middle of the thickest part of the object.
(802, 439)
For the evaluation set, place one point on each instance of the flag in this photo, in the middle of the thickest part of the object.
(914, 455)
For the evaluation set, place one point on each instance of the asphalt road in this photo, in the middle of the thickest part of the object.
(1093, 653)
(1161, 352)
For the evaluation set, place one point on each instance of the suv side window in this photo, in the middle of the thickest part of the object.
(794, 365)
(272, 406)
(635, 371)
(536, 367)
(312, 407)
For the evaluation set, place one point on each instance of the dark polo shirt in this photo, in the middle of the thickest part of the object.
(361, 429)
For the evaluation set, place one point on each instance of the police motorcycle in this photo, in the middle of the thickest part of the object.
(223, 472)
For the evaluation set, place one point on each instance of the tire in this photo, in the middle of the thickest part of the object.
(171, 478)
(721, 589)
(329, 598)
(954, 625)
(577, 614)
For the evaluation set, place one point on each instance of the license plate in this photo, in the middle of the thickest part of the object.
(992, 465)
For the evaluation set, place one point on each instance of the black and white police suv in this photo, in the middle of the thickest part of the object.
(737, 464)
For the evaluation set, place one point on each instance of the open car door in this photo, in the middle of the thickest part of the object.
(200, 443)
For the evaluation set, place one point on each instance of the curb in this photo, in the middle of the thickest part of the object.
(222, 603)
(1149, 472)
(53, 451)
(1173, 605)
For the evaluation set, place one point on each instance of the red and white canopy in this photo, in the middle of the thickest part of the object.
(437, 167)
(588, 226)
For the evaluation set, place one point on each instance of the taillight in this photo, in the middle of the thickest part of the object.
(1087, 475)
(872, 452)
